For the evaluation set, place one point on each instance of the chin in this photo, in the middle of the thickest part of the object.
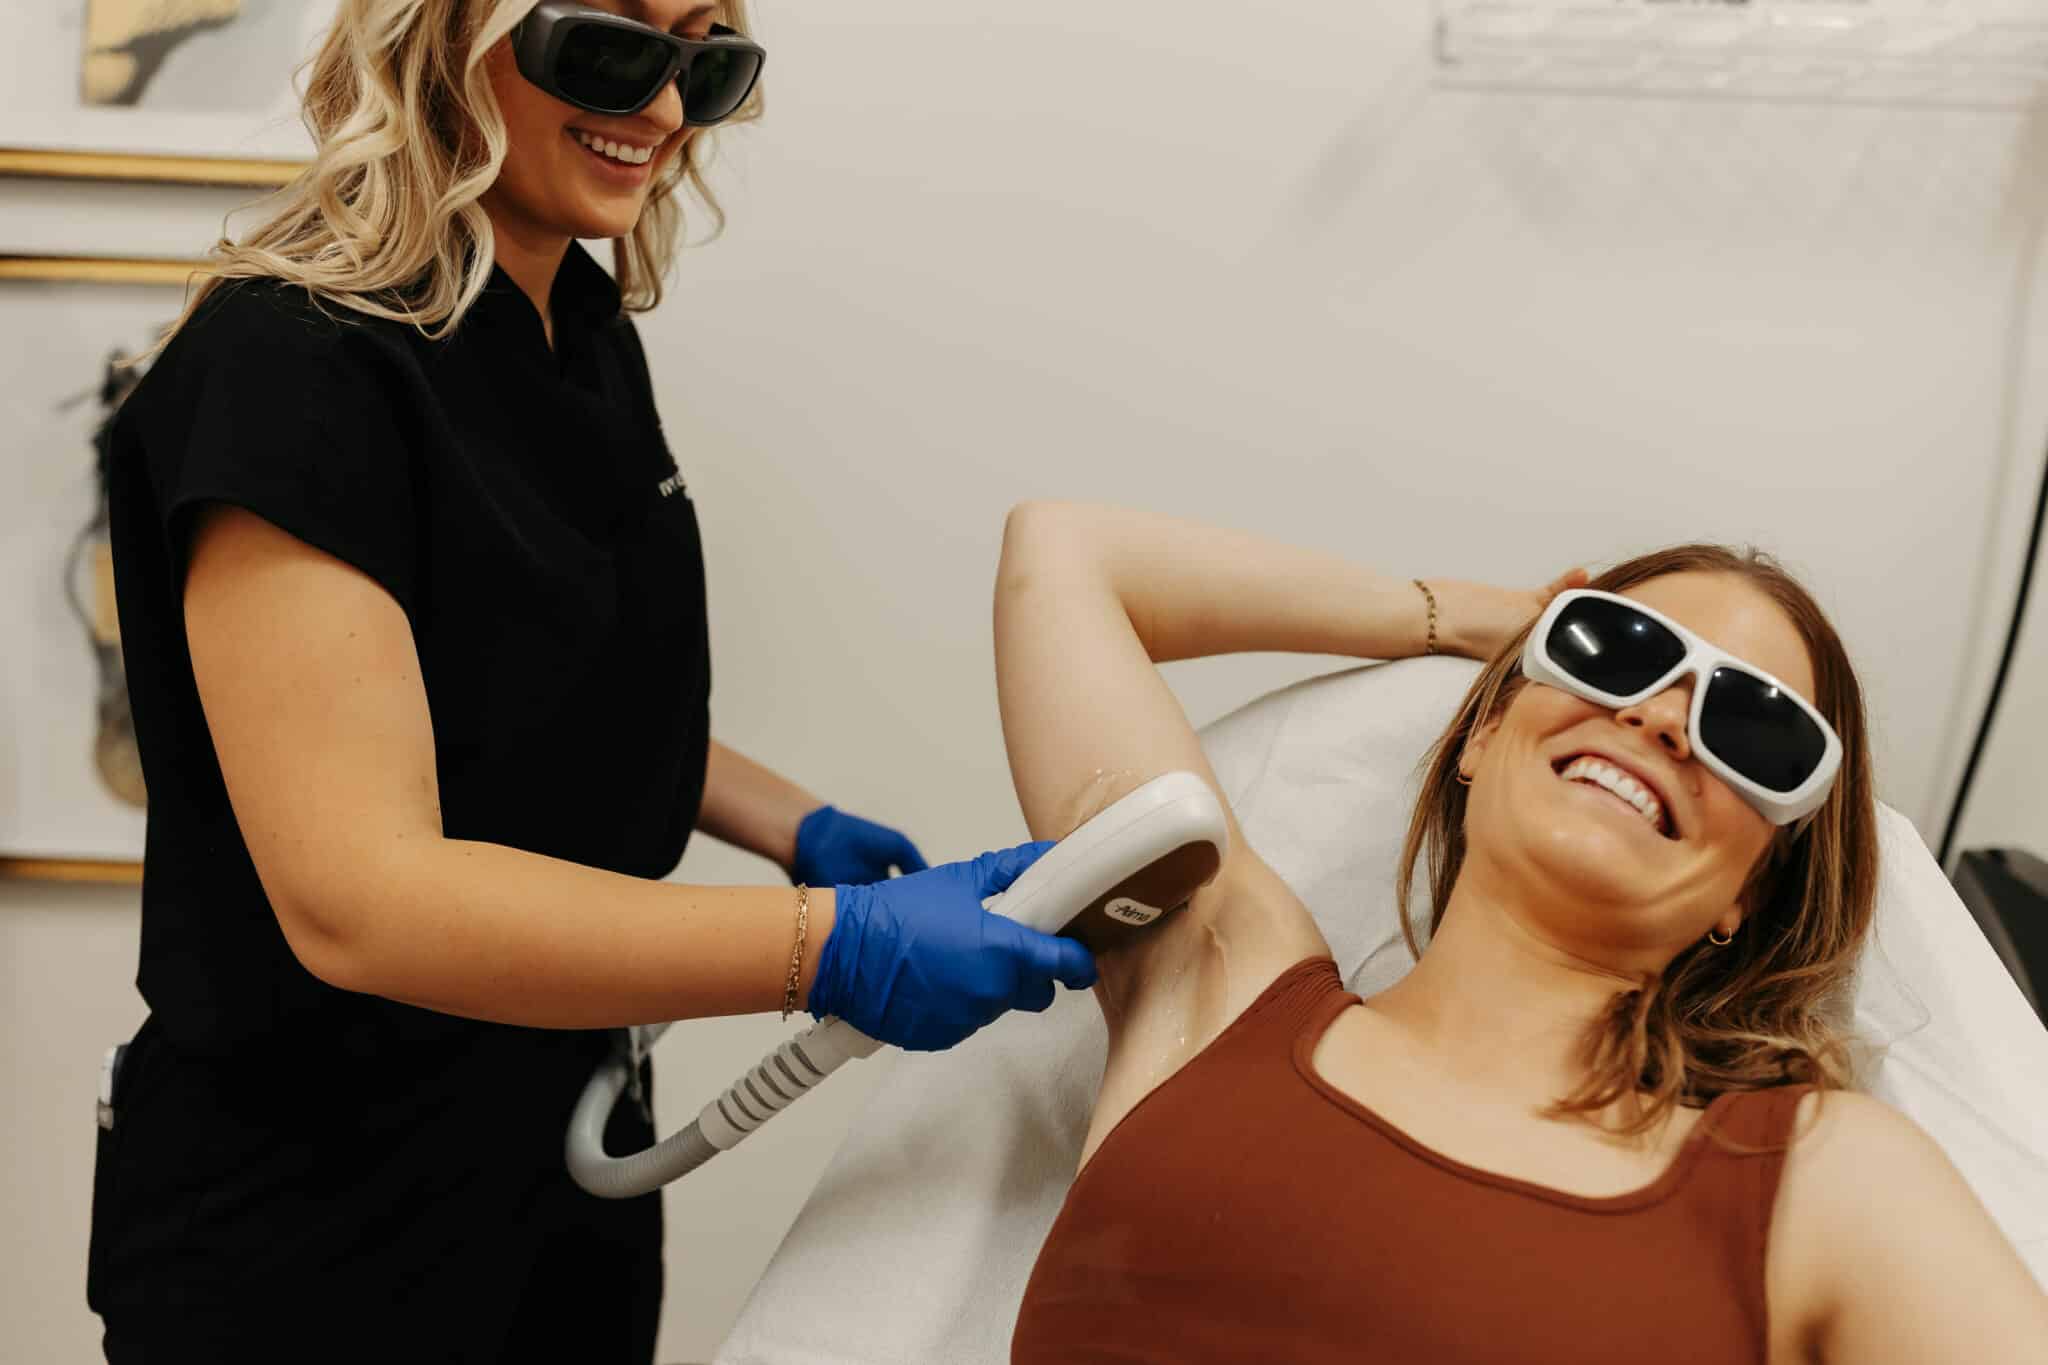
(1585, 865)
(595, 224)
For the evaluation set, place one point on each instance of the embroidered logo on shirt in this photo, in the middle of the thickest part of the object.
(673, 484)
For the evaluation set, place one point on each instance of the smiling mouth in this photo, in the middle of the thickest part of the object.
(621, 154)
(1664, 826)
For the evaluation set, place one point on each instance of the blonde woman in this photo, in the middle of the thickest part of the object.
(413, 603)
(1602, 1120)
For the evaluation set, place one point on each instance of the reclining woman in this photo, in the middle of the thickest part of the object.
(1589, 1124)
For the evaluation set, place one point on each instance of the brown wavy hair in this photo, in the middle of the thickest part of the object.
(386, 220)
(1769, 1009)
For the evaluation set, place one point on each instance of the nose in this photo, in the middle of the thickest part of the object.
(1663, 716)
(665, 114)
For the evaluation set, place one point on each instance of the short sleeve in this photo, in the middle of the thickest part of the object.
(266, 403)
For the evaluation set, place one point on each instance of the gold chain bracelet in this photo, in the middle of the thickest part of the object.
(1431, 598)
(796, 955)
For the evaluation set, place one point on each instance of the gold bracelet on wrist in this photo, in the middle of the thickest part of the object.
(1430, 597)
(796, 955)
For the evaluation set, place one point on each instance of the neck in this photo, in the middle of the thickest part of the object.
(532, 256)
(1493, 1006)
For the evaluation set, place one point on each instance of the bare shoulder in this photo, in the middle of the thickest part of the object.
(1839, 1140)
(1876, 1238)
(1835, 1131)
(1844, 1144)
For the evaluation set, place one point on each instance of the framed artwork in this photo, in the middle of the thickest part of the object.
(194, 91)
(72, 800)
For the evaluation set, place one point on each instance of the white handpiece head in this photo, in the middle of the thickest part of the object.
(1127, 868)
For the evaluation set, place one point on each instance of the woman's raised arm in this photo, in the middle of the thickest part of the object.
(1089, 599)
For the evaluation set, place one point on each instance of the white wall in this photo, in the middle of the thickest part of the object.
(1246, 267)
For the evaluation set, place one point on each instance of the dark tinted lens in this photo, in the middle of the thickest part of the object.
(718, 81)
(1612, 647)
(1759, 731)
(610, 68)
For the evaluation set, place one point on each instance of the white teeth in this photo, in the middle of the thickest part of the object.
(1610, 778)
(617, 151)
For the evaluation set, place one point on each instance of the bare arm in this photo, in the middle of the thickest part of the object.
(1907, 1267)
(752, 807)
(1088, 601)
(305, 665)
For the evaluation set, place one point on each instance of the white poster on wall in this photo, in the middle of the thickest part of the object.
(70, 782)
(187, 78)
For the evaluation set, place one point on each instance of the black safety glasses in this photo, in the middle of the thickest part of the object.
(1752, 731)
(609, 64)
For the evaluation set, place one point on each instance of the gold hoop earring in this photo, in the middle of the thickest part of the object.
(1463, 780)
(1719, 942)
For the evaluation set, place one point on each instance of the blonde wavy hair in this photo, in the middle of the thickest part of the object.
(1771, 1007)
(386, 220)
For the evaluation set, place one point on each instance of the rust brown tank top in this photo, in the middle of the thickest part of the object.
(1247, 1210)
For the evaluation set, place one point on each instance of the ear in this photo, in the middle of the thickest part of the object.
(1475, 745)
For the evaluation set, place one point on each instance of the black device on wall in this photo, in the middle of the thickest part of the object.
(2006, 890)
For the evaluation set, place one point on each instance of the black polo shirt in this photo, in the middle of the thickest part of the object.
(520, 504)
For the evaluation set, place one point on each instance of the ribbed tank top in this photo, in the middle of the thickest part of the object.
(1247, 1210)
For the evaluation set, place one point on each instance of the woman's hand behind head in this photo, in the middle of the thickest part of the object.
(1479, 618)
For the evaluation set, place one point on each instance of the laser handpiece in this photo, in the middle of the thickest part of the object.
(1119, 874)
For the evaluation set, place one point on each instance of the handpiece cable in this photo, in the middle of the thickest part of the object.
(2012, 637)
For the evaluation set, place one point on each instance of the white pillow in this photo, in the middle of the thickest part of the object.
(919, 1238)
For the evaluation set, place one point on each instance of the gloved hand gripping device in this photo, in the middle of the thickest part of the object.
(1113, 878)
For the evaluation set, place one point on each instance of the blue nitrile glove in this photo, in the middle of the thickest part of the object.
(915, 961)
(834, 847)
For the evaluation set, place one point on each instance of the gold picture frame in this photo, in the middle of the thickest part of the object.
(104, 873)
(143, 168)
(87, 271)
(55, 141)
(191, 92)
(101, 269)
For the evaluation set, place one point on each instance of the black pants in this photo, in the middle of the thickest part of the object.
(420, 1215)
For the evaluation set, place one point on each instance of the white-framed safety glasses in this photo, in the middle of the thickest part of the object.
(1751, 730)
